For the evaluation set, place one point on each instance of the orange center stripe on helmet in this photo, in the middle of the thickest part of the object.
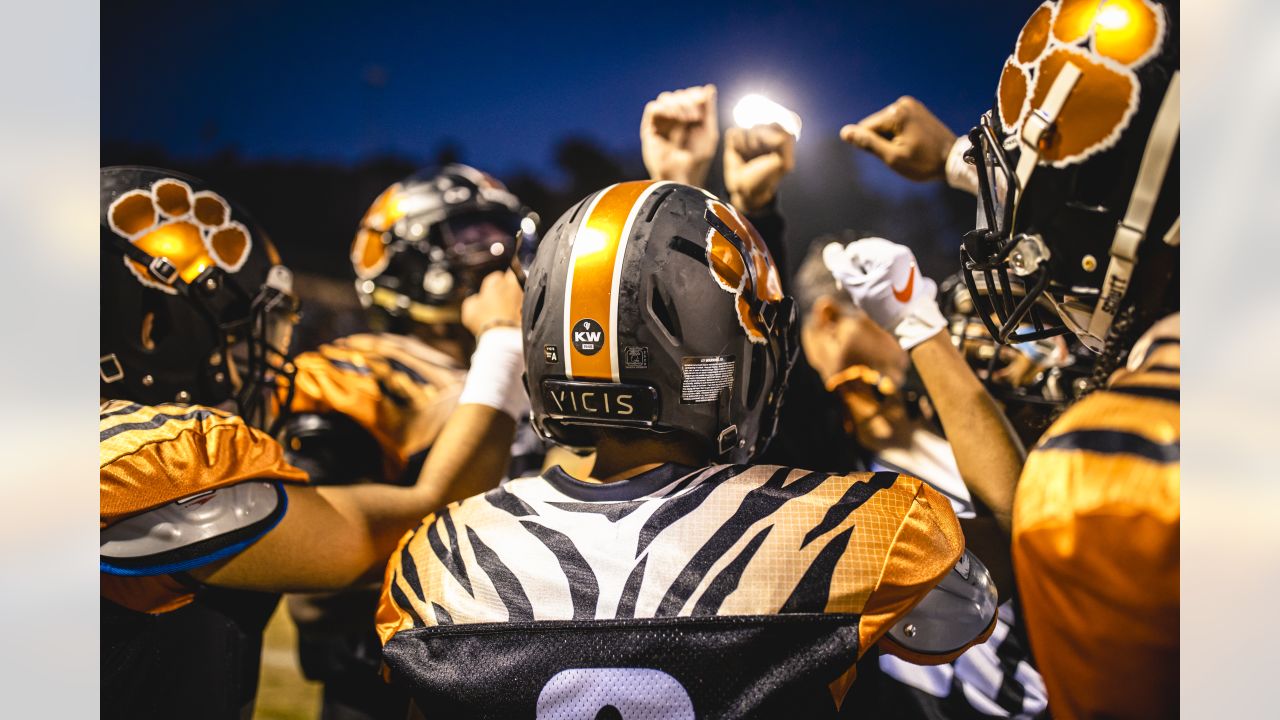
(590, 348)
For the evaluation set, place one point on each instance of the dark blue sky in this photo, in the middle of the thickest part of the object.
(329, 81)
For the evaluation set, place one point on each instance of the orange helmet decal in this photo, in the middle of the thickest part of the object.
(1034, 36)
(193, 231)
(595, 268)
(728, 266)
(369, 250)
(1105, 40)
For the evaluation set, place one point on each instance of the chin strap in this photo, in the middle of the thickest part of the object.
(1142, 202)
(1038, 125)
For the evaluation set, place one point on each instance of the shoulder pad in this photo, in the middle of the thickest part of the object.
(150, 456)
(193, 531)
(960, 611)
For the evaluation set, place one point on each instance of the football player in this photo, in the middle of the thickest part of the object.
(868, 370)
(367, 407)
(677, 579)
(1078, 197)
(202, 519)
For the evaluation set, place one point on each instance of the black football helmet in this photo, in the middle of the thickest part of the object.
(1034, 380)
(427, 242)
(1078, 174)
(196, 306)
(656, 306)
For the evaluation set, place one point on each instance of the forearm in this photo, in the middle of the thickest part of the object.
(469, 456)
(336, 535)
(986, 449)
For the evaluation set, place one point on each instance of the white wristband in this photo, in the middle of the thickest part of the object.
(960, 174)
(495, 376)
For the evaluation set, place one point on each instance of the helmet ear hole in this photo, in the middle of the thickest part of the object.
(666, 316)
(755, 380)
(537, 306)
(156, 325)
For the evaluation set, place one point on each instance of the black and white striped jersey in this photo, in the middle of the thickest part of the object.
(728, 591)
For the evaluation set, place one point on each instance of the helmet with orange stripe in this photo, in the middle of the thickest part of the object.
(656, 306)
(1078, 174)
(196, 307)
(427, 241)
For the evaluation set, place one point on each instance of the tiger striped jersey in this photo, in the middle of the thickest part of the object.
(727, 591)
(397, 388)
(1095, 542)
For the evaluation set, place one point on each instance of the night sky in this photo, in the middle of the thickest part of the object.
(341, 82)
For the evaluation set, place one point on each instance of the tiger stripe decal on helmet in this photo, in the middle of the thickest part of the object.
(595, 270)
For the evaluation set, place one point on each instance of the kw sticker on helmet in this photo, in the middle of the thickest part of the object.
(729, 266)
(192, 230)
(588, 336)
(1106, 41)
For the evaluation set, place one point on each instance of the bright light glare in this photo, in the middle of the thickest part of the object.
(589, 240)
(754, 110)
(1113, 17)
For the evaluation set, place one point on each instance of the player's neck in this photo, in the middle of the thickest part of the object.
(618, 458)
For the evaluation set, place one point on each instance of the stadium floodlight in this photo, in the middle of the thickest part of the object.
(755, 109)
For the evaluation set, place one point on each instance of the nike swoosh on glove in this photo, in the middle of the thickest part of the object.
(883, 280)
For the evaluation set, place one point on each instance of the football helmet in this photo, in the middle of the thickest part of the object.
(656, 306)
(427, 242)
(196, 307)
(1077, 169)
(1034, 380)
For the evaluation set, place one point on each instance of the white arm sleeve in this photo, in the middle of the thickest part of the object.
(960, 174)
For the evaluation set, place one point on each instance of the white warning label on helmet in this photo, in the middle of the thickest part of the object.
(705, 377)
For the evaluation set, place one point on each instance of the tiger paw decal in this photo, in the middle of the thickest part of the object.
(1106, 41)
(192, 230)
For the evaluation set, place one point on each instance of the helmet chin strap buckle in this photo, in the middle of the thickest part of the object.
(109, 368)
(163, 270)
(728, 440)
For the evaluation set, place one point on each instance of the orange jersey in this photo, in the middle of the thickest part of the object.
(741, 589)
(1095, 542)
(396, 387)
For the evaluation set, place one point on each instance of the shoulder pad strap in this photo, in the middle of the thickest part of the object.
(191, 532)
(958, 612)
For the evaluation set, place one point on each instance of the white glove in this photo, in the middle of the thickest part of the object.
(882, 279)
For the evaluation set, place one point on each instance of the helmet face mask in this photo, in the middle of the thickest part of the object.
(170, 328)
(642, 314)
(1034, 380)
(990, 252)
(1070, 166)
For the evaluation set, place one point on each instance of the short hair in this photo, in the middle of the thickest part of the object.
(814, 281)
